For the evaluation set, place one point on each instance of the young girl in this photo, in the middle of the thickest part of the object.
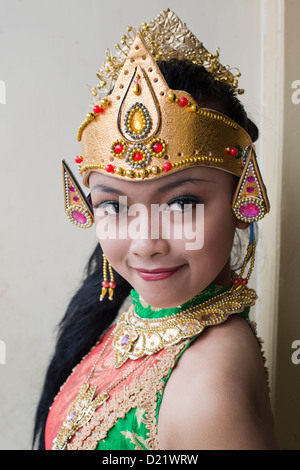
(167, 359)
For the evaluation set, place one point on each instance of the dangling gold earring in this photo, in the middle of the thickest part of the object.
(239, 280)
(107, 284)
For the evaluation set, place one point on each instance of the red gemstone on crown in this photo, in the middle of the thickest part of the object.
(250, 179)
(234, 151)
(167, 166)
(109, 168)
(183, 101)
(98, 110)
(72, 189)
(157, 147)
(138, 156)
(250, 189)
(249, 210)
(118, 148)
(78, 159)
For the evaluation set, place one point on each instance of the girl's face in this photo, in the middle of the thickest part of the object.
(160, 260)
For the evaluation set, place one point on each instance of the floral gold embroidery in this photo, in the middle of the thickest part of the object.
(141, 392)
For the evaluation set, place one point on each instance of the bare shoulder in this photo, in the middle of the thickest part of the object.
(217, 395)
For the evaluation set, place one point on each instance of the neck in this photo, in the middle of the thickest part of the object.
(144, 310)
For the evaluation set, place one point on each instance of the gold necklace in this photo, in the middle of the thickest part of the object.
(84, 406)
(135, 337)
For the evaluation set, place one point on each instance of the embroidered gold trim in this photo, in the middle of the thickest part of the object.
(141, 392)
(135, 337)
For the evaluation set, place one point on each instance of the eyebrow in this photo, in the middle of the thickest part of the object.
(176, 183)
(166, 187)
(107, 189)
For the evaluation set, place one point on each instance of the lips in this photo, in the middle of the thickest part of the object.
(157, 274)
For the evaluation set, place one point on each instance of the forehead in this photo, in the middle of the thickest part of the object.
(196, 175)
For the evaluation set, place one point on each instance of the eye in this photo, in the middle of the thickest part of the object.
(110, 208)
(183, 203)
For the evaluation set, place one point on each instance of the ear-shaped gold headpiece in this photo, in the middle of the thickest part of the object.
(77, 206)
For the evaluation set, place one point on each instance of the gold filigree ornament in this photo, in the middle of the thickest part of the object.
(135, 337)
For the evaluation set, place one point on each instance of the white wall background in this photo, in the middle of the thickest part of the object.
(49, 51)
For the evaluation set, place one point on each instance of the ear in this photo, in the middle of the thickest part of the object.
(77, 205)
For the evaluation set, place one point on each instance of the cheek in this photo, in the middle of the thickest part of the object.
(219, 230)
(115, 252)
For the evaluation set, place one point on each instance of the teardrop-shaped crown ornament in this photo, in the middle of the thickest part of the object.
(139, 120)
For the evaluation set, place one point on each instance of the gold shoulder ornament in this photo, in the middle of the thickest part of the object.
(135, 337)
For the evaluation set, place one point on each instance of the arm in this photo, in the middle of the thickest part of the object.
(216, 397)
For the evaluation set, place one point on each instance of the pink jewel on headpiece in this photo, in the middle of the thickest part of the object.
(249, 210)
(72, 189)
(250, 179)
(79, 217)
(250, 189)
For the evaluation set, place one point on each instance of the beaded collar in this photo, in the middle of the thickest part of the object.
(143, 330)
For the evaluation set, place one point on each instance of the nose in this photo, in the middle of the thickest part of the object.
(147, 234)
(148, 248)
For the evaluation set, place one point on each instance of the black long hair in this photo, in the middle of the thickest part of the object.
(86, 318)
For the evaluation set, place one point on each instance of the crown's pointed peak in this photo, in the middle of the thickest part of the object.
(139, 59)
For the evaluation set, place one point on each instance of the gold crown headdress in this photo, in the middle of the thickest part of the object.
(142, 129)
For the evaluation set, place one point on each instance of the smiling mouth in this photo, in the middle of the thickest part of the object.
(157, 274)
